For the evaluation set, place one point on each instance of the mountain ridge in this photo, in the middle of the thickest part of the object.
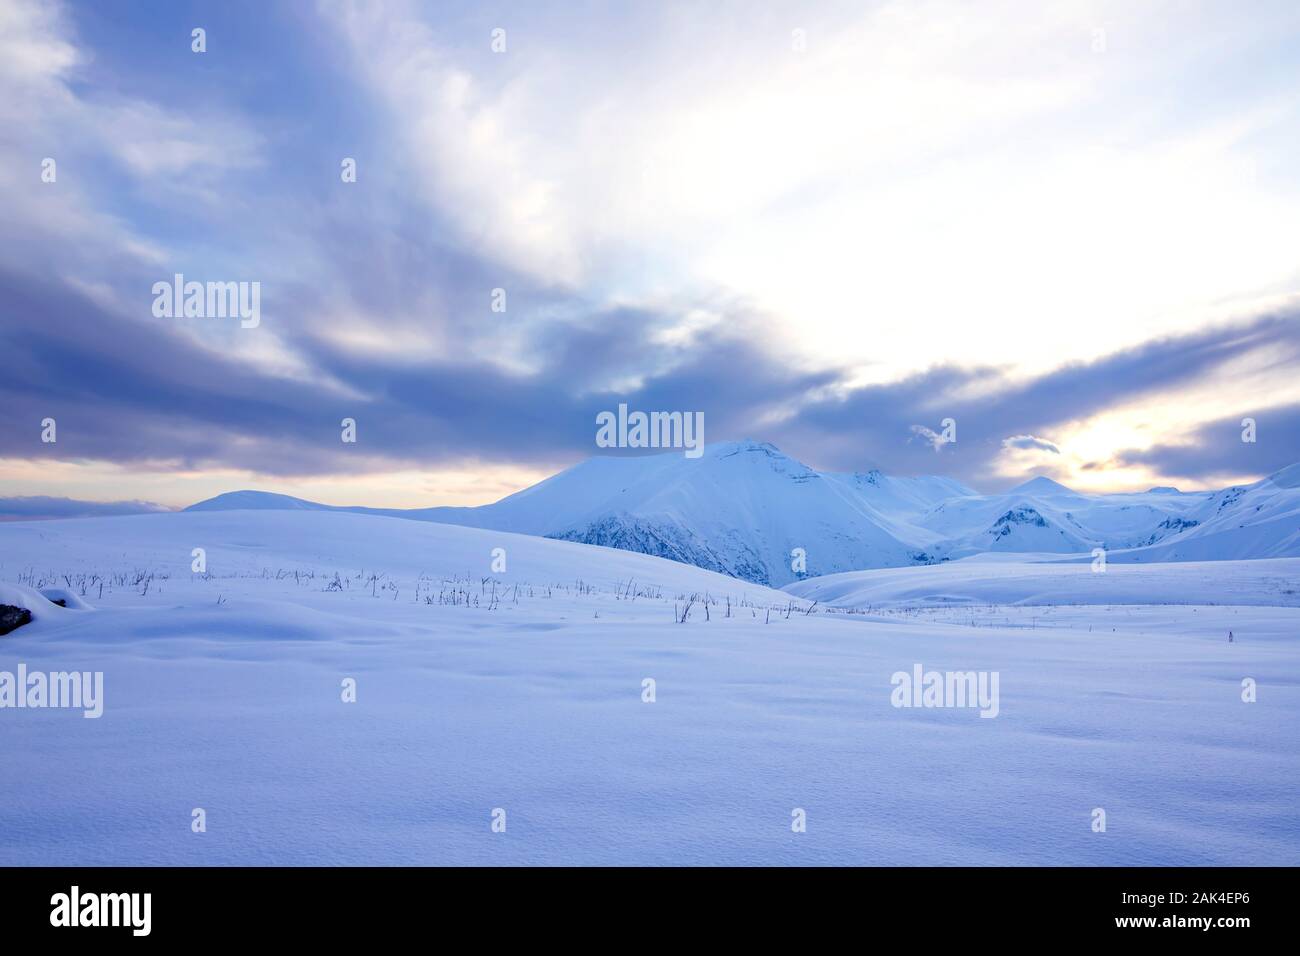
(748, 510)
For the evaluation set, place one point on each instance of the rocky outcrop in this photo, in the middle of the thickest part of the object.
(12, 617)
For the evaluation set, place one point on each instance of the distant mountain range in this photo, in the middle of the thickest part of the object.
(743, 509)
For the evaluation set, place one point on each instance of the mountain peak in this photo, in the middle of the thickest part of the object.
(1042, 485)
(248, 500)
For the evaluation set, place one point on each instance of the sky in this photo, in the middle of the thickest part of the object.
(1072, 228)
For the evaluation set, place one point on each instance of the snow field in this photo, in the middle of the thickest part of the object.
(223, 692)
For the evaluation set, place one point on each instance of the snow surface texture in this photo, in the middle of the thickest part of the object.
(1043, 579)
(222, 692)
(743, 507)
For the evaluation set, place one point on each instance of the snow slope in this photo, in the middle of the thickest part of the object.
(743, 507)
(1261, 520)
(268, 544)
(1013, 580)
(222, 691)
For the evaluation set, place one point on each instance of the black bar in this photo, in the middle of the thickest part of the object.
(977, 906)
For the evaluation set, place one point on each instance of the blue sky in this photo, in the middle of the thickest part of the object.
(1071, 227)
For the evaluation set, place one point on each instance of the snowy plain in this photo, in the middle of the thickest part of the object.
(522, 689)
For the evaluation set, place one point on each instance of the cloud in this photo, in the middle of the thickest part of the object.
(127, 170)
(1028, 442)
(35, 53)
(589, 159)
(845, 427)
(158, 145)
(1213, 453)
(936, 440)
(583, 201)
(42, 506)
(127, 391)
(143, 393)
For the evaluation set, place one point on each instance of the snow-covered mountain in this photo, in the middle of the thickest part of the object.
(749, 511)
(1260, 520)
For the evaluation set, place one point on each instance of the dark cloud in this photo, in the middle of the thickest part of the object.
(873, 424)
(1216, 448)
(1030, 441)
(136, 391)
(130, 389)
